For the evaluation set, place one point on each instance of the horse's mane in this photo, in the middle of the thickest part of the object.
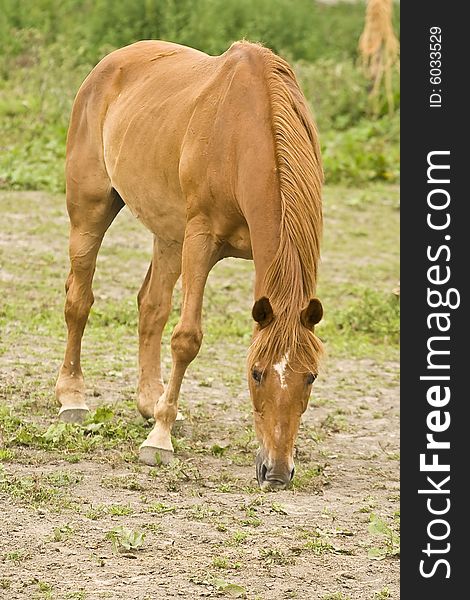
(290, 280)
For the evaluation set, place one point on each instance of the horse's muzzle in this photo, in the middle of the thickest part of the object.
(272, 476)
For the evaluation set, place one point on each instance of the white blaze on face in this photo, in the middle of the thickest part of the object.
(280, 369)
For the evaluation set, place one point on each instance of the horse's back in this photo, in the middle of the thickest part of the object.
(132, 70)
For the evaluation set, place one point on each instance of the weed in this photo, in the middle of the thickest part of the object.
(251, 522)
(373, 314)
(220, 562)
(239, 537)
(17, 556)
(226, 488)
(200, 512)
(45, 589)
(124, 539)
(36, 489)
(371, 503)
(317, 542)
(228, 589)
(383, 594)
(177, 473)
(62, 533)
(390, 538)
(319, 545)
(217, 450)
(328, 513)
(274, 556)
(95, 512)
(122, 482)
(64, 478)
(119, 510)
(335, 422)
(278, 508)
(309, 478)
(158, 508)
(6, 455)
(153, 527)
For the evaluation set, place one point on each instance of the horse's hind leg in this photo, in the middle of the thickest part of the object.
(154, 301)
(90, 216)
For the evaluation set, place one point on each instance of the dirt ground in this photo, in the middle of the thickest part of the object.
(209, 531)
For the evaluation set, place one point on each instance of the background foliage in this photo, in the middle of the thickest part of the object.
(49, 46)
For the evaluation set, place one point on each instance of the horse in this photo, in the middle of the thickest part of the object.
(218, 156)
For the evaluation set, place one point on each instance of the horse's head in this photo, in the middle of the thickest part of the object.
(280, 387)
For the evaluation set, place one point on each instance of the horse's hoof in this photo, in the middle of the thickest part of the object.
(153, 457)
(73, 415)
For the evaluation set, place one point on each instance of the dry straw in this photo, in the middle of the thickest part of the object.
(379, 49)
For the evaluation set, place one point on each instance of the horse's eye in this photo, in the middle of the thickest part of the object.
(257, 375)
(311, 378)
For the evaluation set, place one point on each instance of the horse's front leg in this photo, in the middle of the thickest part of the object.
(200, 253)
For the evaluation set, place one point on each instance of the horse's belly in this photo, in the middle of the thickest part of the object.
(162, 213)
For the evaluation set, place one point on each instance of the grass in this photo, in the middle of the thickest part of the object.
(159, 508)
(98, 432)
(383, 594)
(389, 536)
(209, 25)
(38, 490)
(274, 556)
(47, 54)
(62, 533)
(17, 556)
(224, 563)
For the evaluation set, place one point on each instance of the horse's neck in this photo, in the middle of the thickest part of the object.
(264, 242)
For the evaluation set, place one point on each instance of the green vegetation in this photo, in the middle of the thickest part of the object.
(228, 589)
(47, 52)
(38, 490)
(382, 594)
(389, 535)
(102, 429)
(274, 556)
(310, 31)
(124, 539)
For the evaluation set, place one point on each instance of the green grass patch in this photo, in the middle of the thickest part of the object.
(38, 490)
(389, 536)
(47, 53)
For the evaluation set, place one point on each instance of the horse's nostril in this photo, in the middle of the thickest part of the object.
(264, 470)
(292, 473)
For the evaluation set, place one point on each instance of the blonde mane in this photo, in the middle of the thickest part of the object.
(290, 280)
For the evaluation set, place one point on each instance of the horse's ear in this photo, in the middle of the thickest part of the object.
(262, 312)
(312, 315)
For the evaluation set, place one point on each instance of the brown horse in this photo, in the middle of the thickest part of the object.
(217, 156)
